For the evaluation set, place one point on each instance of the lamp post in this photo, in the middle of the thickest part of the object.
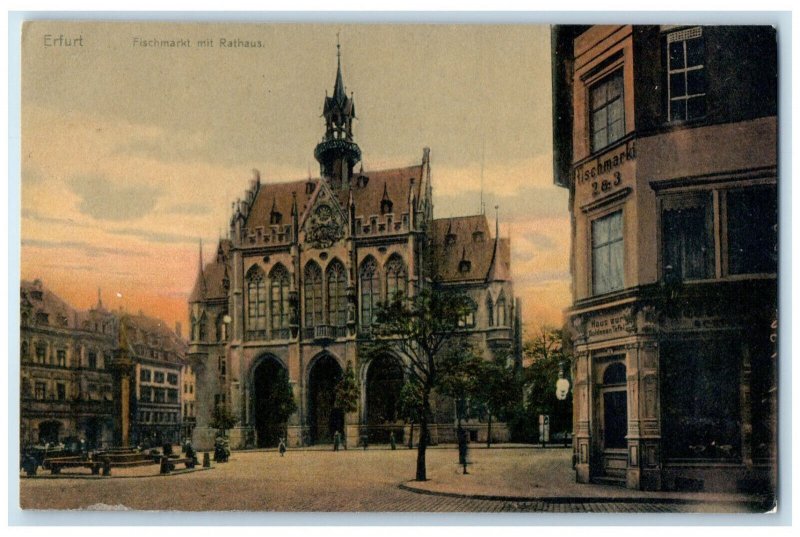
(562, 390)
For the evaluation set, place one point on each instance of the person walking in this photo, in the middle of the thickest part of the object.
(392, 441)
(337, 439)
(282, 447)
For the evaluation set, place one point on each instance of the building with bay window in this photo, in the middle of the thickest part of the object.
(666, 138)
(292, 292)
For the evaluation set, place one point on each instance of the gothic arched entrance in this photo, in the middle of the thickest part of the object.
(323, 419)
(384, 382)
(270, 383)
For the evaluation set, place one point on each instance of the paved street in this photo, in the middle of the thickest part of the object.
(354, 480)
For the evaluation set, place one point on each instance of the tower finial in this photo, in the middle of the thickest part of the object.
(338, 47)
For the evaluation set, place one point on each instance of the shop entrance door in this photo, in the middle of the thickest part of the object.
(614, 422)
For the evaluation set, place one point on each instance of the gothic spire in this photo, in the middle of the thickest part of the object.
(339, 94)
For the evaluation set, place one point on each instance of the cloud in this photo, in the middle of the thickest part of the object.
(154, 236)
(104, 199)
(83, 247)
(188, 208)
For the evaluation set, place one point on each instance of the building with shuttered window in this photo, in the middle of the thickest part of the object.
(666, 138)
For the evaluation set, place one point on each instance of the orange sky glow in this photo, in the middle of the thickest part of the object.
(131, 155)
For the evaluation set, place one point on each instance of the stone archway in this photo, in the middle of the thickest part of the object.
(270, 380)
(383, 384)
(323, 419)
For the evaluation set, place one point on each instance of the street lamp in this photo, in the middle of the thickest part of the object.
(562, 390)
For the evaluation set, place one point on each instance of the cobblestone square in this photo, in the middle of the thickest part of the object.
(500, 479)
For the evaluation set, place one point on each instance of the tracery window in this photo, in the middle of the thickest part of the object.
(312, 293)
(279, 301)
(337, 299)
(256, 303)
(396, 278)
(370, 290)
(502, 314)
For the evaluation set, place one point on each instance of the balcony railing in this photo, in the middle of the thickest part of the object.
(324, 332)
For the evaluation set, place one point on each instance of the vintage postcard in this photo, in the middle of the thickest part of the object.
(398, 267)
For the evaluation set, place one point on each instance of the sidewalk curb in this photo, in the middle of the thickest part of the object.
(583, 499)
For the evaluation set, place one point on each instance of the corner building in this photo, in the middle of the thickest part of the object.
(666, 138)
(295, 287)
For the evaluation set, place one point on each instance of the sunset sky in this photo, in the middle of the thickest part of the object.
(131, 154)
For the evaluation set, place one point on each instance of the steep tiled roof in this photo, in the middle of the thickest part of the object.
(464, 250)
(367, 194)
(153, 332)
(43, 302)
(278, 197)
(210, 283)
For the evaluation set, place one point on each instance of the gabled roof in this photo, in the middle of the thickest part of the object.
(209, 284)
(464, 250)
(398, 182)
(41, 300)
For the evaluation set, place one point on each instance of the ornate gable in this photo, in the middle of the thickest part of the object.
(324, 223)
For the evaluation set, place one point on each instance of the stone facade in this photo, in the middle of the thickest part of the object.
(70, 374)
(672, 177)
(296, 283)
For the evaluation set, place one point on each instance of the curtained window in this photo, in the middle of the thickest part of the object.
(687, 237)
(312, 293)
(256, 303)
(279, 301)
(607, 254)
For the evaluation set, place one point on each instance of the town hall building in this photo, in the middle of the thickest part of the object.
(294, 288)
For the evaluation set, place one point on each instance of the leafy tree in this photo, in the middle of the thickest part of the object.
(222, 419)
(423, 330)
(346, 392)
(409, 405)
(461, 378)
(498, 391)
(546, 354)
(282, 401)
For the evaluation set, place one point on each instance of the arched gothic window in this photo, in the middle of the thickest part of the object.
(370, 290)
(256, 303)
(201, 327)
(279, 300)
(337, 300)
(490, 310)
(396, 278)
(222, 328)
(467, 319)
(312, 293)
(502, 317)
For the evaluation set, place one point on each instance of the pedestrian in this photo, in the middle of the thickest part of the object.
(282, 447)
(364, 441)
(392, 441)
(337, 439)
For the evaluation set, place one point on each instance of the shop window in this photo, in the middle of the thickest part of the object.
(686, 82)
(607, 111)
(687, 238)
(700, 382)
(753, 230)
(607, 254)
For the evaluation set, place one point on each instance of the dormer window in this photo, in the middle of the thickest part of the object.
(275, 218)
(450, 239)
(386, 206)
(464, 266)
(477, 236)
(309, 187)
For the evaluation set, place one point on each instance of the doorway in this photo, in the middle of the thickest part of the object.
(613, 422)
(323, 419)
